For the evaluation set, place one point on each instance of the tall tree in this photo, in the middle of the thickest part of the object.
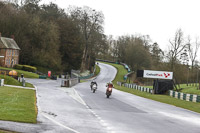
(137, 56)
(90, 21)
(177, 46)
(193, 50)
(70, 44)
(157, 53)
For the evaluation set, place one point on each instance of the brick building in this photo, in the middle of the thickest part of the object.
(9, 52)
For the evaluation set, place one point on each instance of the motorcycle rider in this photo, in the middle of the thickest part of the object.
(109, 85)
(92, 83)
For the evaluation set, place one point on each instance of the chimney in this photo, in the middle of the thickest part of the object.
(13, 37)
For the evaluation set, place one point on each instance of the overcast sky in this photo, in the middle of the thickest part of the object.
(157, 18)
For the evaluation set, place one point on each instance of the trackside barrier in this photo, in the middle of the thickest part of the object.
(137, 87)
(87, 77)
(69, 82)
(184, 96)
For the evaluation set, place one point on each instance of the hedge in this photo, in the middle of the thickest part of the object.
(25, 68)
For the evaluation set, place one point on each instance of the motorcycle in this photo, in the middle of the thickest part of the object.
(94, 88)
(108, 91)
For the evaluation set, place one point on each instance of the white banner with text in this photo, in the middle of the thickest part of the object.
(157, 74)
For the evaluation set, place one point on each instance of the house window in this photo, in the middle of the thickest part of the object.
(15, 61)
(13, 52)
(8, 61)
(9, 52)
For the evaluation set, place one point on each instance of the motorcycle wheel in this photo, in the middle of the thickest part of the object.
(108, 96)
(94, 91)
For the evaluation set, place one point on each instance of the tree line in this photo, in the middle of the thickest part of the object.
(140, 53)
(59, 40)
(49, 37)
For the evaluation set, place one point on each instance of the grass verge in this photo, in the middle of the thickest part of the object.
(185, 89)
(18, 105)
(97, 70)
(121, 71)
(11, 81)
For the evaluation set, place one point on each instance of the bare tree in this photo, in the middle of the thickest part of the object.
(177, 46)
(193, 50)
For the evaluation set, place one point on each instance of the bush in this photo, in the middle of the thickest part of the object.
(25, 68)
(29, 68)
(18, 66)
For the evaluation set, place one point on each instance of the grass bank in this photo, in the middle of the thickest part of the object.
(18, 105)
(121, 71)
(25, 73)
(97, 70)
(189, 89)
(11, 81)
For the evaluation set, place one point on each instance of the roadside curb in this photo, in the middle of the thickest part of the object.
(20, 87)
(137, 87)
(184, 96)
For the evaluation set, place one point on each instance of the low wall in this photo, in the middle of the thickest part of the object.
(73, 82)
(69, 82)
(184, 96)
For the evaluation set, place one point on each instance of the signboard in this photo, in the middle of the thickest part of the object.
(49, 73)
(157, 74)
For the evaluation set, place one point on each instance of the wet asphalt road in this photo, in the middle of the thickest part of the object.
(126, 113)
(62, 110)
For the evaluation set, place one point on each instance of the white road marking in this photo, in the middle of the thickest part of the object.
(39, 110)
(60, 124)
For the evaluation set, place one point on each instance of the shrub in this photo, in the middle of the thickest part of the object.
(25, 68)
(18, 66)
(29, 68)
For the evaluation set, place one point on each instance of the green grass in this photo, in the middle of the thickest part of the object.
(25, 73)
(149, 87)
(161, 98)
(189, 89)
(18, 105)
(11, 81)
(97, 70)
(185, 89)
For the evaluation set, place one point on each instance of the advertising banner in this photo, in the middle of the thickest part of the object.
(157, 74)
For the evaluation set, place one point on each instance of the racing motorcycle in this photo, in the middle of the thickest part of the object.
(108, 92)
(94, 88)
